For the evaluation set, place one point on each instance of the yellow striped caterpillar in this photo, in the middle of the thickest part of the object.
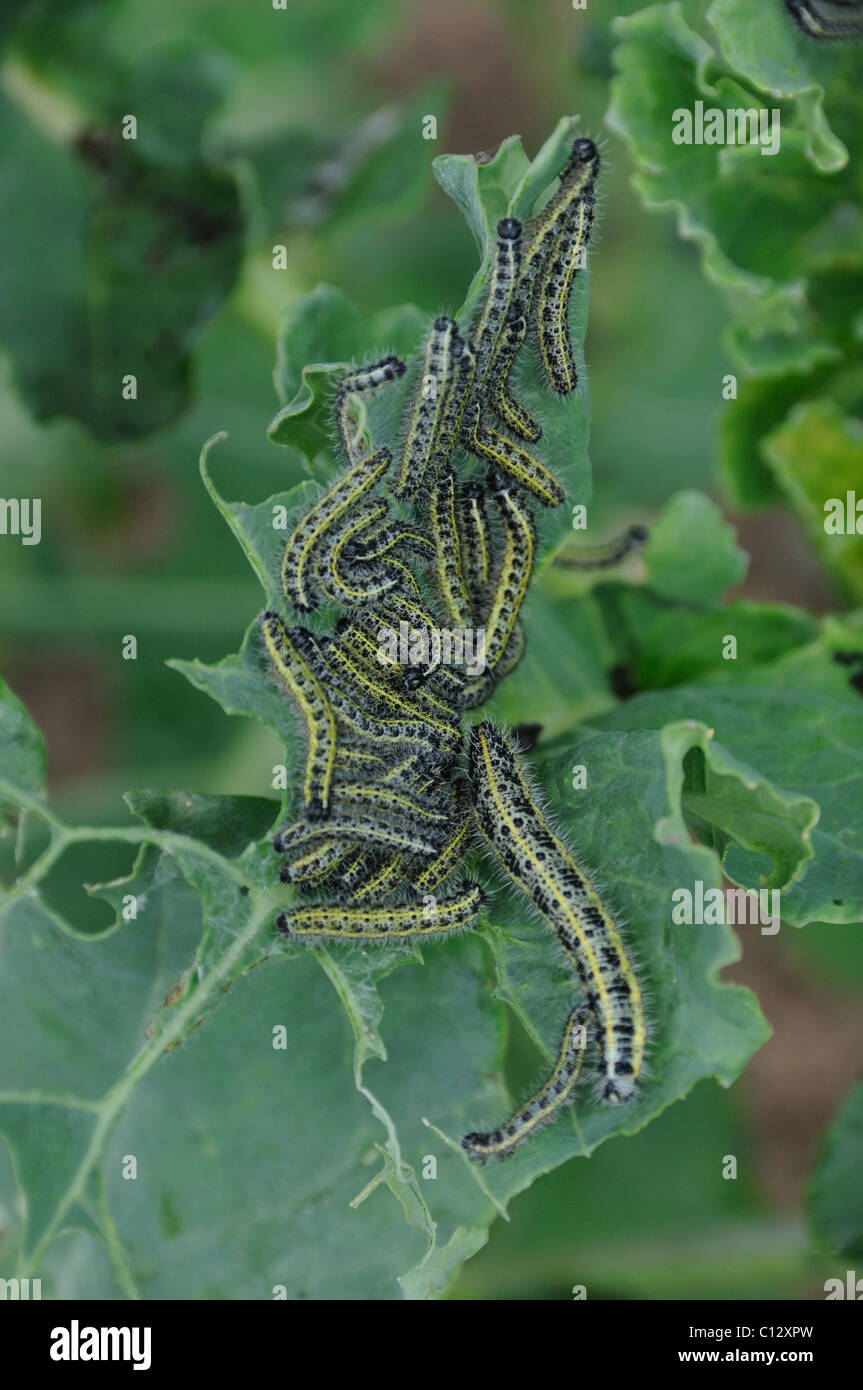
(301, 681)
(297, 570)
(508, 456)
(430, 414)
(556, 1092)
(388, 922)
(358, 383)
(520, 838)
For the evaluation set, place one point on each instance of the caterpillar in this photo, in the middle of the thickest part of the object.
(556, 1092)
(500, 398)
(556, 280)
(297, 571)
(315, 864)
(356, 827)
(340, 579)
(577, 180)
(435, 393)
(357, 383)
(827, 19)
(315, 707)
(383, 736)
(518, 835)
(491, 320)
(513, 574)
(476, 544)
(383, 881)
(396, 922)
(595, 557)
(384, 697)
(508, 456)
(447, 860)
(443, 517)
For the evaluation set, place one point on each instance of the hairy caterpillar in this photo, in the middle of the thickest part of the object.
(435, 394)
(356, 827)
(453, 850)
(340, 579)
(508, 456)
(476, 543)
(489, 324)
(827, 19)
(297, 675)
(555, 290)
(540, 864)
(297, 570)
(358, 383)
(380, 735)
(513, 574)
(383, 881)
(556, 1092)
(478, 691)
(577, 180)
(443, 517)
(396, 922)
(502, 401)
(596, 557)
(315, 865)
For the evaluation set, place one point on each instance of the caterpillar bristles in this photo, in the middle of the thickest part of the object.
(515, 830)
(387, 922)
(546, 1104)
(357, 383)
(297, 569)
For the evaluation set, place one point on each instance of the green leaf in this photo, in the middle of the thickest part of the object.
(836, 1196)
(772, 53)
(752, 214)
(797, 723)
(321, 333)
(816, 457)
(22, 749)
(146, 241)
(692, 554)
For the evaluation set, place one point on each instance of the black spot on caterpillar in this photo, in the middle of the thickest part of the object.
(827, 19)
(292, 669)
(596, 557)
(557, 1092)
(297, 568)
(358, 383)
(518, 835)
(577, 183)
(389, 922)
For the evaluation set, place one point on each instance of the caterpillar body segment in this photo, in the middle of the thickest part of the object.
(388, 922)
(556, 1092)
(517, 833)
(358, 383)
(297, 569)
(312, 699)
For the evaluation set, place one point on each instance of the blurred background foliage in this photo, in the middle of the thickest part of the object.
(156, 257)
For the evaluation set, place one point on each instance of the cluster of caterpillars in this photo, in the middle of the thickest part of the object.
(402, 544)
